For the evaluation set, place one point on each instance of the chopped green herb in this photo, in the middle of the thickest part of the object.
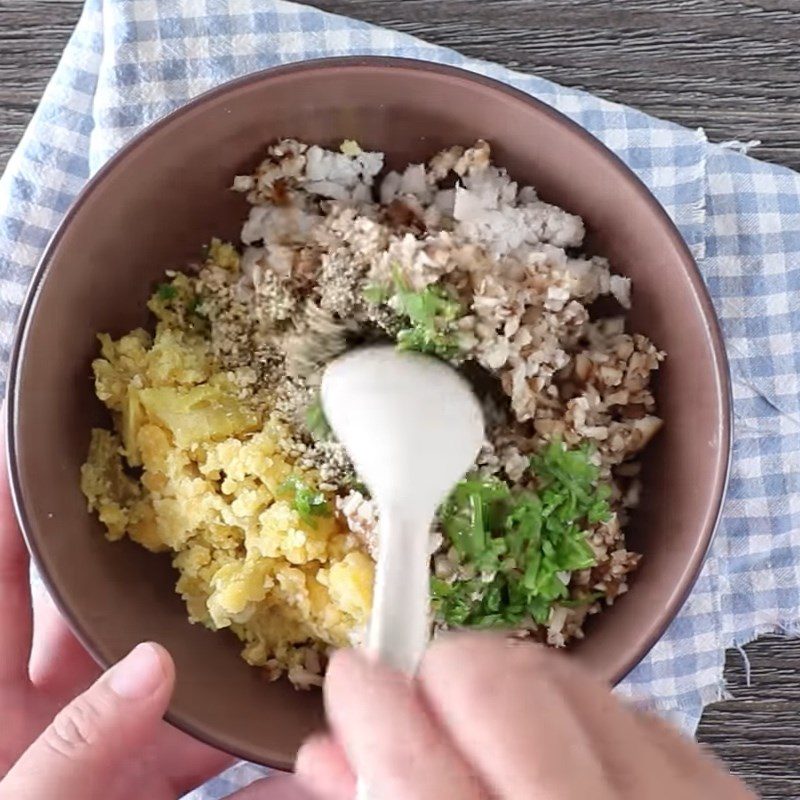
(454, 601)
(166, 291)
(431, 312)
(520, 545)
(309, 503)
(571, 493)
(316, 421)
(470, 514)
(377, 294)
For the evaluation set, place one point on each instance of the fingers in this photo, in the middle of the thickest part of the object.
(83, 750)
(609, 726)
(698, 766)
(15, 598)
(488, 717)
(59, 663)
(322, 767)
(61, 667)
(616, 731)
(496, 698)
(520, 713)
(390, 739)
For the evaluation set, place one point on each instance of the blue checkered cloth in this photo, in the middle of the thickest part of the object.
(131, 61)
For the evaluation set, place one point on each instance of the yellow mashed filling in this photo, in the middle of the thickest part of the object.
(212, 492)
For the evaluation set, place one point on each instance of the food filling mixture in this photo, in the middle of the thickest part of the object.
(220, 453)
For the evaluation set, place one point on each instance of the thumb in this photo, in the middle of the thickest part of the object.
(80, 753)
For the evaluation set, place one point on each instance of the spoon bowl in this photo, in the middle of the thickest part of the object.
(410, 423)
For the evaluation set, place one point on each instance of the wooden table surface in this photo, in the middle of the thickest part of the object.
(730, 66)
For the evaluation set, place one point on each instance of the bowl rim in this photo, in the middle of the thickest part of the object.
(700, 552)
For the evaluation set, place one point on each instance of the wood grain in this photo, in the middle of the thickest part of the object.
(730, 66)
(32, 36)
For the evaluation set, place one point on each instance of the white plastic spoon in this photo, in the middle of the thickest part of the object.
(412, 427)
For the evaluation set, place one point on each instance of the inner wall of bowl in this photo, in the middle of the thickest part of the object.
(167, 196)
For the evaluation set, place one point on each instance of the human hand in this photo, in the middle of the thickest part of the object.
(492, 718)
(109, 743)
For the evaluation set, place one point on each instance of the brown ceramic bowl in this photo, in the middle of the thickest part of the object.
(167, 192)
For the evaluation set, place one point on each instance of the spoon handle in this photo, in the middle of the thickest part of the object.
(399, 628)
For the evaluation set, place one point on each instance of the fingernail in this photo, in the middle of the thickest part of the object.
(139, 674)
